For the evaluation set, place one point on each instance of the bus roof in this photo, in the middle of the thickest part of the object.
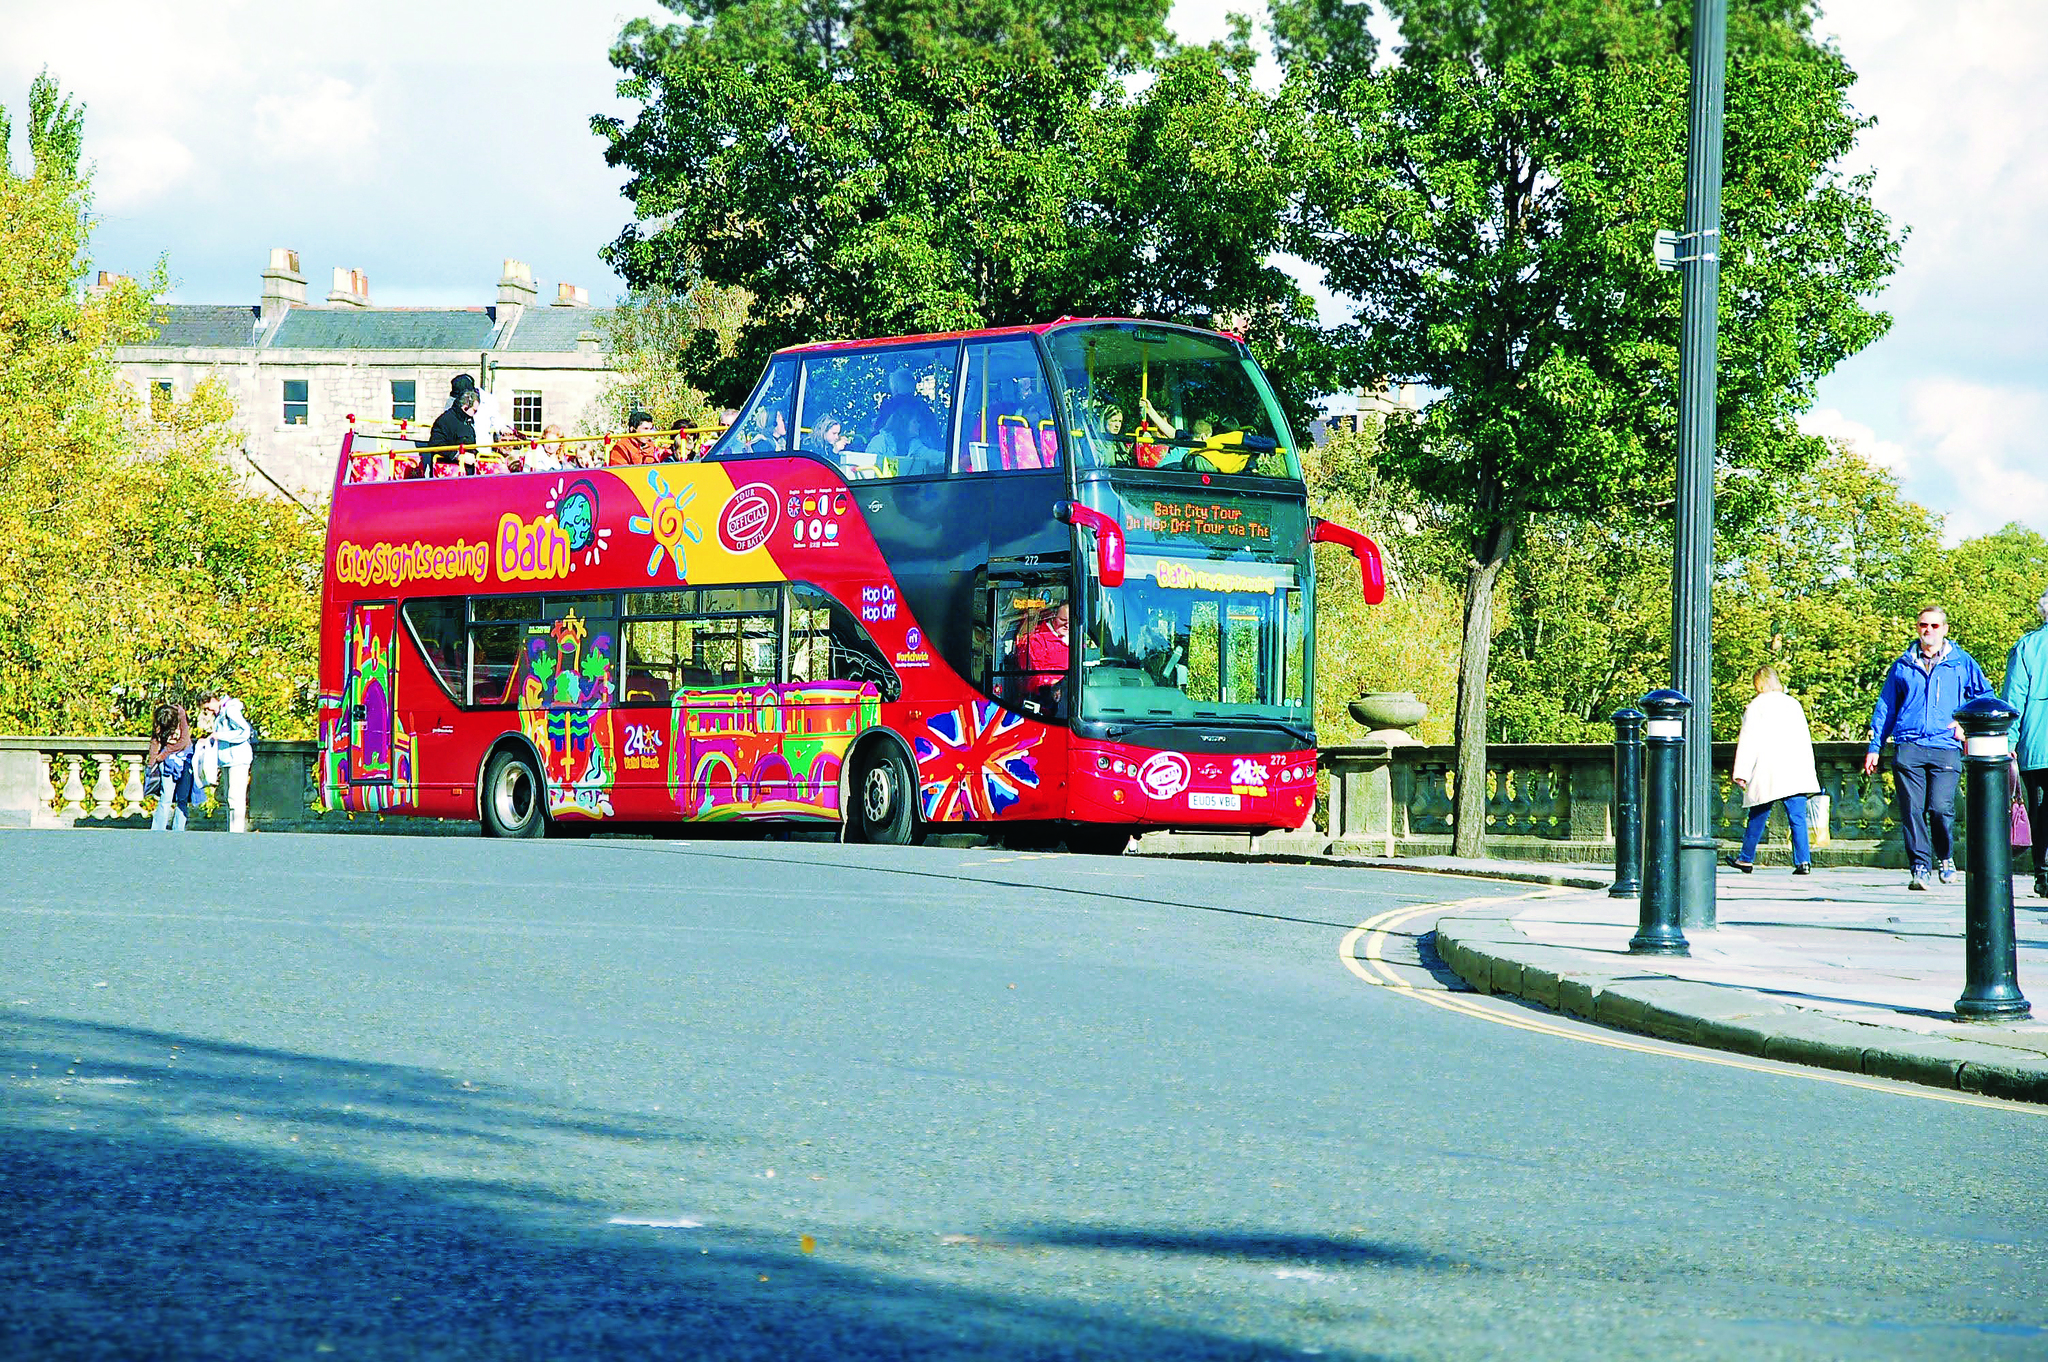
(1031, 329)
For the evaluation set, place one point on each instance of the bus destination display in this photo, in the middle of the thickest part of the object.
(1208, 521)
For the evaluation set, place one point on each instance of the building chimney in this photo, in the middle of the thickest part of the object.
(351, 288)
(515, 287)
(283, 286)
(107, 280)
(568, 295)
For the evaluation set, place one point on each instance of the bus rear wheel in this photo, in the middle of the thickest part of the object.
(1096, 840)
(513, 804)
(882, 793)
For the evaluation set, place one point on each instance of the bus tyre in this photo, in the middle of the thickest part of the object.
(1098, 841)
(514, 804)
(882, 799)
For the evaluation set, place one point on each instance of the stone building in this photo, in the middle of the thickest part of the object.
(298, 370)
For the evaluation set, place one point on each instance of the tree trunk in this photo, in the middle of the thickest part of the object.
(1468, 819)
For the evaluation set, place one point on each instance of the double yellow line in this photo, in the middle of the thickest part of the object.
(1371, 966)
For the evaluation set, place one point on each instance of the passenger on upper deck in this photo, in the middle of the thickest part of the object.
(453, 438)
(637, 446)
(908, 438)
(827, 439)
(546, 456)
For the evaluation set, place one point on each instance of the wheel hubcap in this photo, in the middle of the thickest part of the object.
(514, 796)
(880, 794)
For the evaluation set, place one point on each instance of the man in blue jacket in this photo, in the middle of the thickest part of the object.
(1916, 709)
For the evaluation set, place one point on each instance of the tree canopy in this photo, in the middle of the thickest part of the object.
(887, 169)
(1487, 202)
(133, 566)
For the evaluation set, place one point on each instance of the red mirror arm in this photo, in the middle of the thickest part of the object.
(1109, 539)
(1372, 573)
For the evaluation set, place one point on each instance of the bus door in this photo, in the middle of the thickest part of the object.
(372, 691)
(1030, 613)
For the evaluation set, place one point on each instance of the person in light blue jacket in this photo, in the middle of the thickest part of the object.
(1916, 708)
(2026, 690)
(233, 741)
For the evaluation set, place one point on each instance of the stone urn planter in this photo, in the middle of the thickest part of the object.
(1389, 714)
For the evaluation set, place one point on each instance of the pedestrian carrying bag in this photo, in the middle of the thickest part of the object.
(2022, 829)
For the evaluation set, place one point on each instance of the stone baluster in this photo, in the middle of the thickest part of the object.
(72, 803)
(103, 785)
(131, 789)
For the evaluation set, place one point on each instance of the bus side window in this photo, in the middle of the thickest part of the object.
(436, 624)
(765, 425)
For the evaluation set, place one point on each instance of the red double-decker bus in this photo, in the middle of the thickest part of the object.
(1047, 582)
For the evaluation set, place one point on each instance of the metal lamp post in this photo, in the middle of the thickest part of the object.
(1693, 551)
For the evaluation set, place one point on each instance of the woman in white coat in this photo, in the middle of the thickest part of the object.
(1774, 765)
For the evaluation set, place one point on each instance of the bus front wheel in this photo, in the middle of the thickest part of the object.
(513, 802)
(882, 795)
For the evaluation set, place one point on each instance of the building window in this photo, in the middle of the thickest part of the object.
(295, 401)
(161, 393)
(526, 412)
(404, 399)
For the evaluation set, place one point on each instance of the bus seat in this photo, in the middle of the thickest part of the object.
(645, 688)
(1013, 435)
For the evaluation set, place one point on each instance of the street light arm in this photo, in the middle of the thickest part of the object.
(1371, 572)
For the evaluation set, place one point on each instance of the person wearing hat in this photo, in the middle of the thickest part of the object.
(453, 438)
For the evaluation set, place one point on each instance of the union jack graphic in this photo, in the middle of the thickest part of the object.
(974, 762)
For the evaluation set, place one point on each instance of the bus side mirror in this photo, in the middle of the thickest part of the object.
(1109, 539)
(1372, 573)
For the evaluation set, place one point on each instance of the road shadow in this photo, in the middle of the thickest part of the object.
(129, 1232)
(1300, 1250)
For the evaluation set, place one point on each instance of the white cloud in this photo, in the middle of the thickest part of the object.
(135, 168)
(317, 120)
(1831, 424)
(1977, 453)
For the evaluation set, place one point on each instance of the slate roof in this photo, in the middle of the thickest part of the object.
(382, 328)
(207, 324)
(553, 329)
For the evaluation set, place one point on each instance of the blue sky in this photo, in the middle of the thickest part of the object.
(423, 144)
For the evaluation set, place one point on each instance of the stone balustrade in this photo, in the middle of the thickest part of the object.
(72, 782)
(1544, 801)
(1554, 802)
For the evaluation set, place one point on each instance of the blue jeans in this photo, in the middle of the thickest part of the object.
(1795, 814)
(1924, 783)
(169, 813)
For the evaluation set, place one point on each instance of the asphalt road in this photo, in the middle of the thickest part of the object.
(381, 1097)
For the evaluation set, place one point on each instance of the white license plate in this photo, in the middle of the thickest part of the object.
(1214, 801)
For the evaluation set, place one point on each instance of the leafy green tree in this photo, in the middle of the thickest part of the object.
(1824, 588)
(857, 181)
(658, 342)
(133, 567)
(1409, 642)
(1488, 204)
(1991, 587)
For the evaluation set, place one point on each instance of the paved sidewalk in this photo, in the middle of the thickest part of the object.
(1843, 969)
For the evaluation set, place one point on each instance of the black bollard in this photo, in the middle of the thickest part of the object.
(1628, 803)
(1659, 933)
(1991, 990)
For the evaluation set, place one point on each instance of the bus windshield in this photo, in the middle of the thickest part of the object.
(1160, 397)
(1198, 638)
